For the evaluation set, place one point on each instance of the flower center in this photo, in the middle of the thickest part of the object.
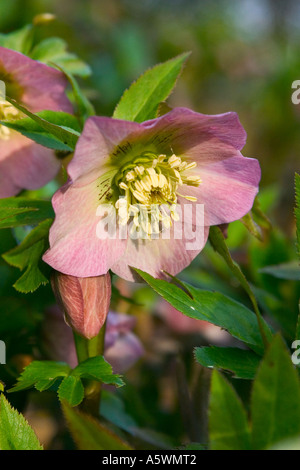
(7, 113)
(148, 186)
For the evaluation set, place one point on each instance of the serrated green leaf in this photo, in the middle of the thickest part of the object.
(90, 434)
(28, 255)
(15, 432)
(297, 211)
(40, 374)
(228, 427)
(96, 368)
(275, 400)
(213, 307)
(241, 363)
(18, 211)
(65, 135)
(71, 390)
(140, 102)
(35, 132)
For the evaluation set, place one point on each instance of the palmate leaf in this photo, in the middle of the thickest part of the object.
(19, 211)
(15, 432)
(140, 102)
(27, 256)
(213, 307)
(44, 374)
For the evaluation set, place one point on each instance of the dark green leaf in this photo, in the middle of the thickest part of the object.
(275, 398)
(213, 307)
(16, 211)
(89, 434)
(140, 102)
(96, 368)
(71, 390)
(41, 375)
(241, 363)
(289, 271)
(228, 427)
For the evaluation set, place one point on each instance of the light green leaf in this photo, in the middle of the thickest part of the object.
(275, 400)
(96, 368)
(41, 375)
(20, 40)
(18, 211)
(213, 307)
(140, 102)
(54, 50)
(35, 132)
(71, 390)
(64, 134)
(228, 427)
(241, 363)
(89, 434)
(28, 256)
(15, 432)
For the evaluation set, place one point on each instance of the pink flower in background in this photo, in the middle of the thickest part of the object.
(85, 301)
(23, 163)
(182, 158)
(122, 347)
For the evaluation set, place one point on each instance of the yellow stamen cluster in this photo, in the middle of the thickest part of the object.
(7, 113)
(147, 184)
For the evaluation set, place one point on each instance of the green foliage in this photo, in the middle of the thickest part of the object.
(15, 432)
(19, 211)
(289, 271)
(28, 255)
(44, 374)
(275, 403)
(140, 102)
(213, 307)
(63, 134)
(228, 424)
(241, 363)
(54, 51)
(20, 40)
(34, 131)
(90, 434)
(297, 211)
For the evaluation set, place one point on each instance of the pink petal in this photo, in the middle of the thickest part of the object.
(25, 165)
(156, 256)
(36, 85)
(75, 248)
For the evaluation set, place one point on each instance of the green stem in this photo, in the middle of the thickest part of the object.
(88, 348)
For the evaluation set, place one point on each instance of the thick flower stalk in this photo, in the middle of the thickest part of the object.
(23, 163)
(151, 177)
(85, 301)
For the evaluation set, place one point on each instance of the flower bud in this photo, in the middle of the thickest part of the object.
(85, 301)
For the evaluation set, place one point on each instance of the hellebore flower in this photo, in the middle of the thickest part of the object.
(85, 301)
(181, 160)
(122, 347)
(23, 163)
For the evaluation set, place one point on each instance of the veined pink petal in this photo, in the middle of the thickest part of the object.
(24, 164)
(156, 256)
(36, 85)
(75, 248)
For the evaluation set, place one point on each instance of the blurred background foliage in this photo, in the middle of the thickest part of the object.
(245, 56)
